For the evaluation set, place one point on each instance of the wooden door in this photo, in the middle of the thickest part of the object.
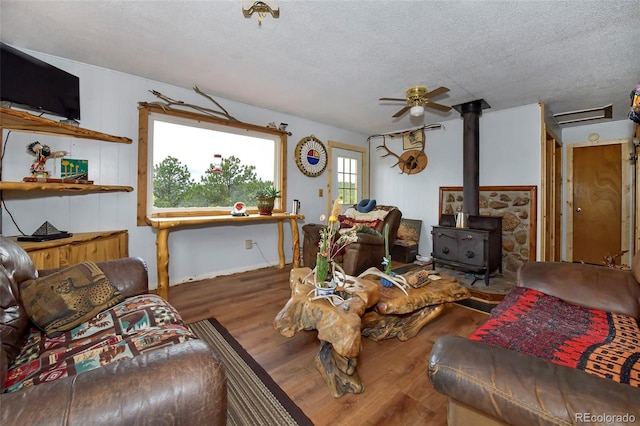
(346, 174)
(597, 202)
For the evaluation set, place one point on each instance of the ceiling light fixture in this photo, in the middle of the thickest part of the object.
(584, 115)
(417, 110)
(261, 8)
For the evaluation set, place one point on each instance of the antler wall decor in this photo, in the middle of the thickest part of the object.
(412, 161)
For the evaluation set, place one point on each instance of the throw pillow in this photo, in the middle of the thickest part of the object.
(378, 213)
(349, 222)
(361, 229)
(65, 299)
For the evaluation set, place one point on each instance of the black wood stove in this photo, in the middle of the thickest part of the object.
(478, 247)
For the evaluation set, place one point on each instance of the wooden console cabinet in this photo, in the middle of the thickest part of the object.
(95, 246)
(476, 249)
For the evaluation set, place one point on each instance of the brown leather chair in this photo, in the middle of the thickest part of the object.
(365, 253)
(181, 384)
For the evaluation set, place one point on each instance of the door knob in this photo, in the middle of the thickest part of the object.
(579, 209)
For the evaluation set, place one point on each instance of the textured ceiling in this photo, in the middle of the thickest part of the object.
(330, 61)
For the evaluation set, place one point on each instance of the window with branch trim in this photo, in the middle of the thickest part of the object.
(193, 164)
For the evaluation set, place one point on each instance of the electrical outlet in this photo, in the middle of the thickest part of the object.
(248, 244)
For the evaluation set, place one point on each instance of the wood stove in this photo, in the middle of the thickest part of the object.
(478, 247)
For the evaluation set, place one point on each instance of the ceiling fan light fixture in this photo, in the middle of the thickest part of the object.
(417, 110)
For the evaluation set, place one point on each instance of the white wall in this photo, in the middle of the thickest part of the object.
(509, 155)
(109, 103)
(622, 129)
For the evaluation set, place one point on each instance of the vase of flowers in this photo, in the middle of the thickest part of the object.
(331, 243)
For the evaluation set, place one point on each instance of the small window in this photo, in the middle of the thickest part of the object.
(348, 180)
(194, 164)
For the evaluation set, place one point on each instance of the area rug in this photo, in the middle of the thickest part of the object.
(253, 397)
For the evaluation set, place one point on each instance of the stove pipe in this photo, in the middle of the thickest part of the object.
(470, 113)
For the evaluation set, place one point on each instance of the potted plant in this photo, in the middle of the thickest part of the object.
(266, 200)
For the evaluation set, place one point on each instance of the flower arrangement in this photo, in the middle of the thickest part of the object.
(329, 245)
(386, 260)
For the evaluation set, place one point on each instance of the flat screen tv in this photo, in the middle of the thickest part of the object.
(27, 82)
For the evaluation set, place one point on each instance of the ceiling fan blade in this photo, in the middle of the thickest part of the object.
(402, 111)
(436, 92)
(439, 107)
(393, 99)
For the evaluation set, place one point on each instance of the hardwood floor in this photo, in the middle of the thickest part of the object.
(397, 389)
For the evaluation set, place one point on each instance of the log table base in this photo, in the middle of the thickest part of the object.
(403, 315)
(379, 327)
(338, 327)
(339, 372)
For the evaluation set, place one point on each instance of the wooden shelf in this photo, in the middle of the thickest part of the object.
(24, 122)
(62, 187)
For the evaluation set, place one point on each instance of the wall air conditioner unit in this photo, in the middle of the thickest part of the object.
(584, 115)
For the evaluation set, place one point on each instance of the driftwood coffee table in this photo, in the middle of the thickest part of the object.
(403, 315)
(389, 313)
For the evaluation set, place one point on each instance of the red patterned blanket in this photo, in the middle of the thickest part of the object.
(533, 323)
(136, 325)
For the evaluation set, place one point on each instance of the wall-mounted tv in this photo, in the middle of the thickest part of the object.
(27, 82)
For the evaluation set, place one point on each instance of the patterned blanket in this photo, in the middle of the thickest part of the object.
(138, 324)
(533, 323)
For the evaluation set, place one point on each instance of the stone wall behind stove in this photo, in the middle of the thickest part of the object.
(517, 205)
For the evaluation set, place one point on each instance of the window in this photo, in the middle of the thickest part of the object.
(194, 164)
(348, 179)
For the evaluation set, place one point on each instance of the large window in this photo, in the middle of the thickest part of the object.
(193, 164)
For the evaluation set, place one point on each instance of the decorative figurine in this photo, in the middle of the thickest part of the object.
(42, 154)
(239, 209)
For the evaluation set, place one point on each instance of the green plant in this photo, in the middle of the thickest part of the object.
(386, 260)
(269, 192)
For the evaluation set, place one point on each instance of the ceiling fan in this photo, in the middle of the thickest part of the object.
(418, 98)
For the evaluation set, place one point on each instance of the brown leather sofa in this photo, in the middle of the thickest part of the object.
(365, 253)
(488, 385)
(182, 384)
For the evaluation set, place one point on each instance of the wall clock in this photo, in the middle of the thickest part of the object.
(311, 156)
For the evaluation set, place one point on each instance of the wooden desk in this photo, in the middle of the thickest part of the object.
(164, 225)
